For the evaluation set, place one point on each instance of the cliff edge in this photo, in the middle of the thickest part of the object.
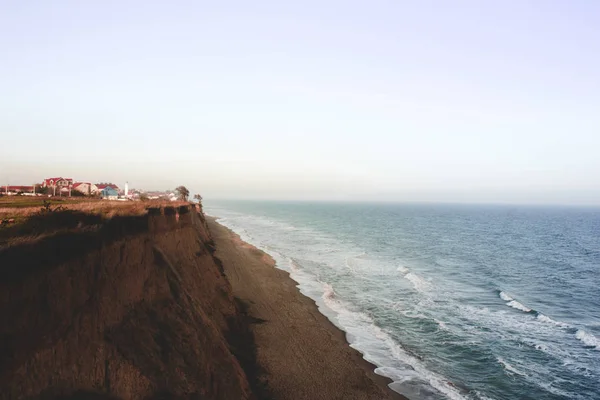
(128, 306)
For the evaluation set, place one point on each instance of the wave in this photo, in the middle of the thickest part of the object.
(518, 306)
(511, 302)
(419, 283)
(544, 384)
(441, 325)
(481, 396)
(294, 267)
(354, 262)
(509, 367)
(547, 319)
(328, 293)
(363, 329)
(505, 297)
(588, 339)
(402, 270)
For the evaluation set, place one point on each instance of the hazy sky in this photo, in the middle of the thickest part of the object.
(474, 101)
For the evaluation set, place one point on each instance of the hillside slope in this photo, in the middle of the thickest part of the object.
(131, 307)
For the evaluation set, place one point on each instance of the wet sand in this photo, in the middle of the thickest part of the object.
(302, 355)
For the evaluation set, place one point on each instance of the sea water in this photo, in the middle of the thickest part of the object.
(449, 301)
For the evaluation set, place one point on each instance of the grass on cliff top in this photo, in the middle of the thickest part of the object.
(34, 220)
(19, 207)
(28, 201)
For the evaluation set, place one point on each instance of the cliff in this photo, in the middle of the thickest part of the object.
(128, 306)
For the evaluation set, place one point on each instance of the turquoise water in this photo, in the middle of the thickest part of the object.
(451, 302)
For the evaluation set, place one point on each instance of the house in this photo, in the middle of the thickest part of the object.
(58, 182)
(63, 185)
(85, 188)
(109, 193)
(102, 186)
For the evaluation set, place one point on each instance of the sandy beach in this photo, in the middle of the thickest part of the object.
(302, 355)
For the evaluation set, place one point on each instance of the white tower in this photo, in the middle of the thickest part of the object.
(126, 189)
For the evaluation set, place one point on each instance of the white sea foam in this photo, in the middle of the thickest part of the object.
(509, 367)
(441, 324)
(511, 302)
(413, 314)
(545, 318)
(588, 339)
(436, 381)
(328, 293)
(363, 329)
(294, 267)
(402, 270)
(518, 306)
(505, 297)
(481, 396)
(356, 263)
(418, 282)
(543, 336)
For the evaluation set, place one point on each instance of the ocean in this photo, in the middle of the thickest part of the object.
(449, 301)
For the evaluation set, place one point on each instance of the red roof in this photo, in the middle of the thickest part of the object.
(54, 180)
(81, 183)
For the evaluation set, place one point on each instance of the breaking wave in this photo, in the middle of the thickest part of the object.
(363, 328)
(511, 302)
(518, 306)
(509, 367)
(419, 283)
(588, 339)
(328, 294)
(403, 270)
(544, 318)
(505, 297)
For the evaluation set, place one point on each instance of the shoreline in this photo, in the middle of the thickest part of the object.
(301, 353)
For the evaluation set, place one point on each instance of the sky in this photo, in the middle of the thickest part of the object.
(438, 101)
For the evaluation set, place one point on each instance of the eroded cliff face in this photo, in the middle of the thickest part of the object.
(130, 307)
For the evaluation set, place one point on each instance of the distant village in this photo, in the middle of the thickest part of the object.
(66, 187)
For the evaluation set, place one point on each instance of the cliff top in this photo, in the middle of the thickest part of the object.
(25, 219)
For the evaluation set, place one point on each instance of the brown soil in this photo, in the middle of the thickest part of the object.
(130, 307)
(302, 354)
